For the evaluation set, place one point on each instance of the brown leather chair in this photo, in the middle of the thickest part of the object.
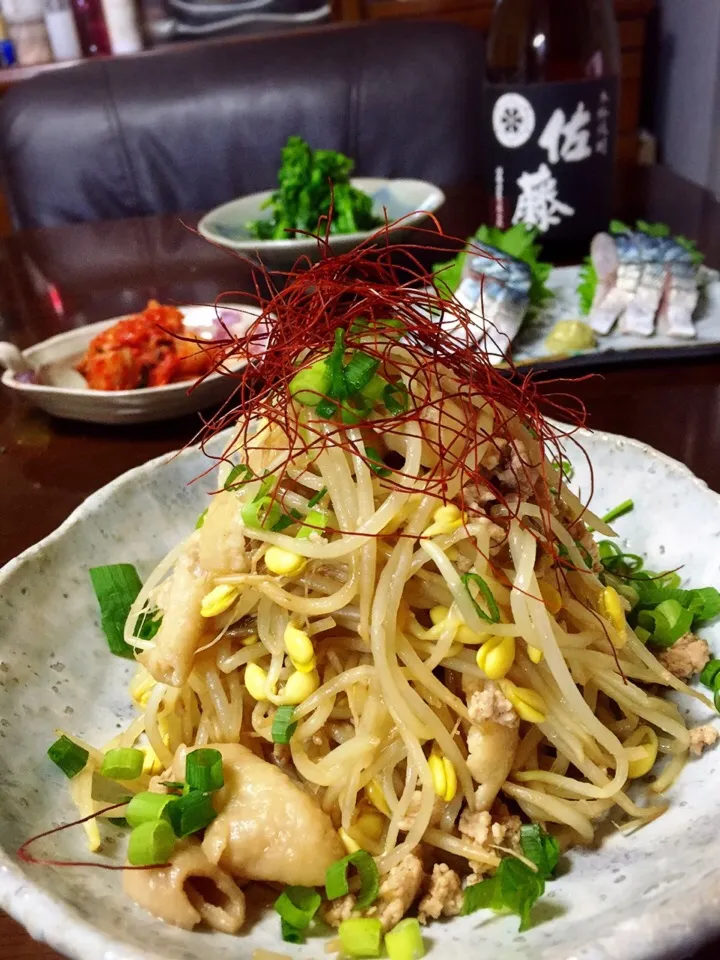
(192, 128)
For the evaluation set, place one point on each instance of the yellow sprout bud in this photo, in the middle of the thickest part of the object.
(304, 667)
(141, 686)
(374, 793)
(551, 596)
(452, 553)
(371, 825)
(466, 635)
(647, 739)
(446, 519)
(299, 687)
(496, 656)
(439, 614)
(535, 653)
(256, 681)
(437, 772)
(220, 599)
(284, 563)
(528, 703)
(450, 780)
(299, 645)
(348, 841)
(610, 606)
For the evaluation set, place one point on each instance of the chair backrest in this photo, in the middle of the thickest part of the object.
(192, 128)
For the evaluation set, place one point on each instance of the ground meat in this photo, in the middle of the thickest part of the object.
(515, 473)
(701, 737)
(444, 897)
(412, 811)
(486, 831)
(398, 891)
(490, 703)
(686, 657)
(338, 910)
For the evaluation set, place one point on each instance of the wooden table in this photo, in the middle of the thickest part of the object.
(56, 279)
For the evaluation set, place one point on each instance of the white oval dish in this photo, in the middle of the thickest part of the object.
(67, 395)
(653, 894)
(409, 200)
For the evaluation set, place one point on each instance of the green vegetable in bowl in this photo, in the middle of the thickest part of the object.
(309, 182)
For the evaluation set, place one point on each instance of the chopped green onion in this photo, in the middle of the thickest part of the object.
(204, 770)
(116, 588)
(619, 511)
(148, 624)
(316, 498)
(297, 906)
(315, 522)
(291, 934)
(360, 371)
(395, 397)
(514, 887)
(566, 467)
(541, 848)
(711, 674)
(374, 390)
(376, 463)
(261, 514)
(667, 622)
(283, 725)
(326, 409)
(493, 615)
(642, 634)
(716, 700)
(405, 941)
(172, 784)
(67, 755)
(337, 884)
(146, 807)
(151, 844)
(108, 792)
(118, 822)
(338, 387)
(310, 385)
(201, 519)
(361, 936)
(123, 763)
(239, 471)
(608, 548)
(191, 813)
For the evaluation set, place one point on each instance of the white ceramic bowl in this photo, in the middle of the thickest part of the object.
(63, 392)
(412, 200)
(653, 894)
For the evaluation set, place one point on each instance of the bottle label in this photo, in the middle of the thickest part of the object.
(550, 150)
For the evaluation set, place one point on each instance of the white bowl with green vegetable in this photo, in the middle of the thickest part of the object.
(273, 225)
(641, 896)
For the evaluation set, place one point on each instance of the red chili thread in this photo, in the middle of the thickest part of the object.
(27, 857)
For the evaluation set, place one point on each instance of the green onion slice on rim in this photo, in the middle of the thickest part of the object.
(116, 587)
(619, 511)
(297, 906)
(337, 883)
(405, 941)
(123, 763)
(361, 936)
(67, 755)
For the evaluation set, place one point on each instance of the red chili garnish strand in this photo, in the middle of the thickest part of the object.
(24, 854)
(383, 279)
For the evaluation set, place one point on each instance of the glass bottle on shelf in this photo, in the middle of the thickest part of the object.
(92, 28)
(550, 118)
(26, 29)
(62, 31)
